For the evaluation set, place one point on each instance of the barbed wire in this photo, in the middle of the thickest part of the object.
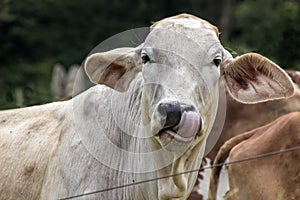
(186, 172)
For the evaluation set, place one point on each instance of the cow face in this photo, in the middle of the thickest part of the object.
(182, 62)
(180, 69)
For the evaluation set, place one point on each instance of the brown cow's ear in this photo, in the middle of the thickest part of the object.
(115, 69)
(252, 78)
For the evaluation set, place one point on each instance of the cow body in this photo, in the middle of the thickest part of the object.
(45, 157)
(25, 152)
(270, 177)
(149, 117)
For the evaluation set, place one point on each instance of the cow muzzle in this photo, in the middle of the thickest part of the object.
(179, 121)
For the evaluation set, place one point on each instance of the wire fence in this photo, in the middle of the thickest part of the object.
(187, 172)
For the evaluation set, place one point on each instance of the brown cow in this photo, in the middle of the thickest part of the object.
(243, 117)
(272, 177)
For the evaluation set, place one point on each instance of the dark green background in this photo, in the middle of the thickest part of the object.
(36, 34)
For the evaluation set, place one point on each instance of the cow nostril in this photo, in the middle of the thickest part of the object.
(170, 113)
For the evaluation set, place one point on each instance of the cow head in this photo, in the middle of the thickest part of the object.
(182, 62)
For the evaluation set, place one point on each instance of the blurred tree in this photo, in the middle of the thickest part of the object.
(288, 51)
(270, 27)
(225, 18)
(42, 33)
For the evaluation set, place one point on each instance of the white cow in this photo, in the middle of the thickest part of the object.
(149, 117)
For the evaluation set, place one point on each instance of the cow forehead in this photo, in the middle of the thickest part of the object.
(187, 21)
(185, 35)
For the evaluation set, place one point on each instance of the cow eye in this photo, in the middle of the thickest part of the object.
(145, 58)
(217, 61)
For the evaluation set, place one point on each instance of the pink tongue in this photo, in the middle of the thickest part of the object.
(189, 125)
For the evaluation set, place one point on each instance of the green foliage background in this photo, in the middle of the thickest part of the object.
(36, 34)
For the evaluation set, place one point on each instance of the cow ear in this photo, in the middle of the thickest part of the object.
(115, 69)
(252, 78)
